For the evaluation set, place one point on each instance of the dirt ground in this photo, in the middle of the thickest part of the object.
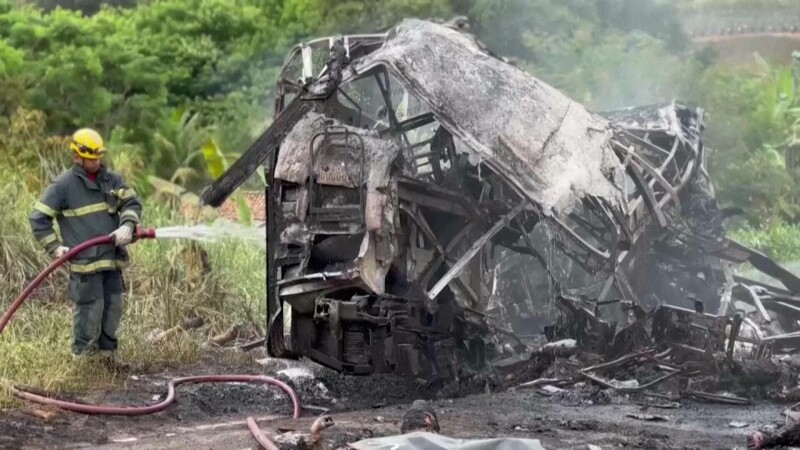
(213, 416)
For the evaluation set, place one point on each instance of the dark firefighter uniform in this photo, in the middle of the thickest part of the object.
(87, 205)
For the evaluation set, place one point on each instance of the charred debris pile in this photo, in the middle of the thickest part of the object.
(432, 209)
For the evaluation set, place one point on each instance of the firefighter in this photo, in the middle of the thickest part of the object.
(88, 201)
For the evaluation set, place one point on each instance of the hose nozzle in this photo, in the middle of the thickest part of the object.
(144, 233)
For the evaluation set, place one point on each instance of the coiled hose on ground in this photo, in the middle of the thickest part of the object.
(137, 410)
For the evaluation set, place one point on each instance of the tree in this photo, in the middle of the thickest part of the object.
(87, 7)
(11, 63)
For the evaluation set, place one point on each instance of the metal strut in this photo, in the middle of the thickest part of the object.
(461, 263)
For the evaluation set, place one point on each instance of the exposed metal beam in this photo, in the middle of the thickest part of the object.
(757, 302)
(760, 261)
(476, 247)
(423, 226)
(535, 253)
(257, 154)
(655, 173)
(430, 201)
(434, 264)
(647, 195)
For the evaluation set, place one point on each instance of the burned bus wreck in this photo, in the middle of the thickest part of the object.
(428, 202)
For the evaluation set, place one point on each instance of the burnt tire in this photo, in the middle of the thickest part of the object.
(276, 345)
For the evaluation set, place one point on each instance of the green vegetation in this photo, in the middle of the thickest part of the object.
(181, 87)
(781, 241)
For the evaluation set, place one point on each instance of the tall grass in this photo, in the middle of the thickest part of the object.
(780, 241)
(167, 282)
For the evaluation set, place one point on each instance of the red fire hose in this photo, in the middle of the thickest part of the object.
(101, 240)
(138, 410)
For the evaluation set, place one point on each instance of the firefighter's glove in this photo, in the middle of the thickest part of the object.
(123, 235)
(60, 251)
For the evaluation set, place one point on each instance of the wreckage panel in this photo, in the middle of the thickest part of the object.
(529, 286)
(401, 116)
(335, 168)
(523, 128)
(367, 93)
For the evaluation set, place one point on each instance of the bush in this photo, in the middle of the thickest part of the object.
(780, 241)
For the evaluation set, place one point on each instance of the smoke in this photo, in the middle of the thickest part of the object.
(607, 54)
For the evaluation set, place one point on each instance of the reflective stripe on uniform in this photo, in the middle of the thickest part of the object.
(129, 215)
(44, 209)
(49, 239)
(103, 264)
(84, 210)
(125, 194)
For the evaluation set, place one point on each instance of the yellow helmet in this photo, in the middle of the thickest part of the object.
(88, 144)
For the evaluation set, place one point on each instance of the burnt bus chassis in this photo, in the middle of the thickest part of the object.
(433, 323)
(401, 333)
(390, 332)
